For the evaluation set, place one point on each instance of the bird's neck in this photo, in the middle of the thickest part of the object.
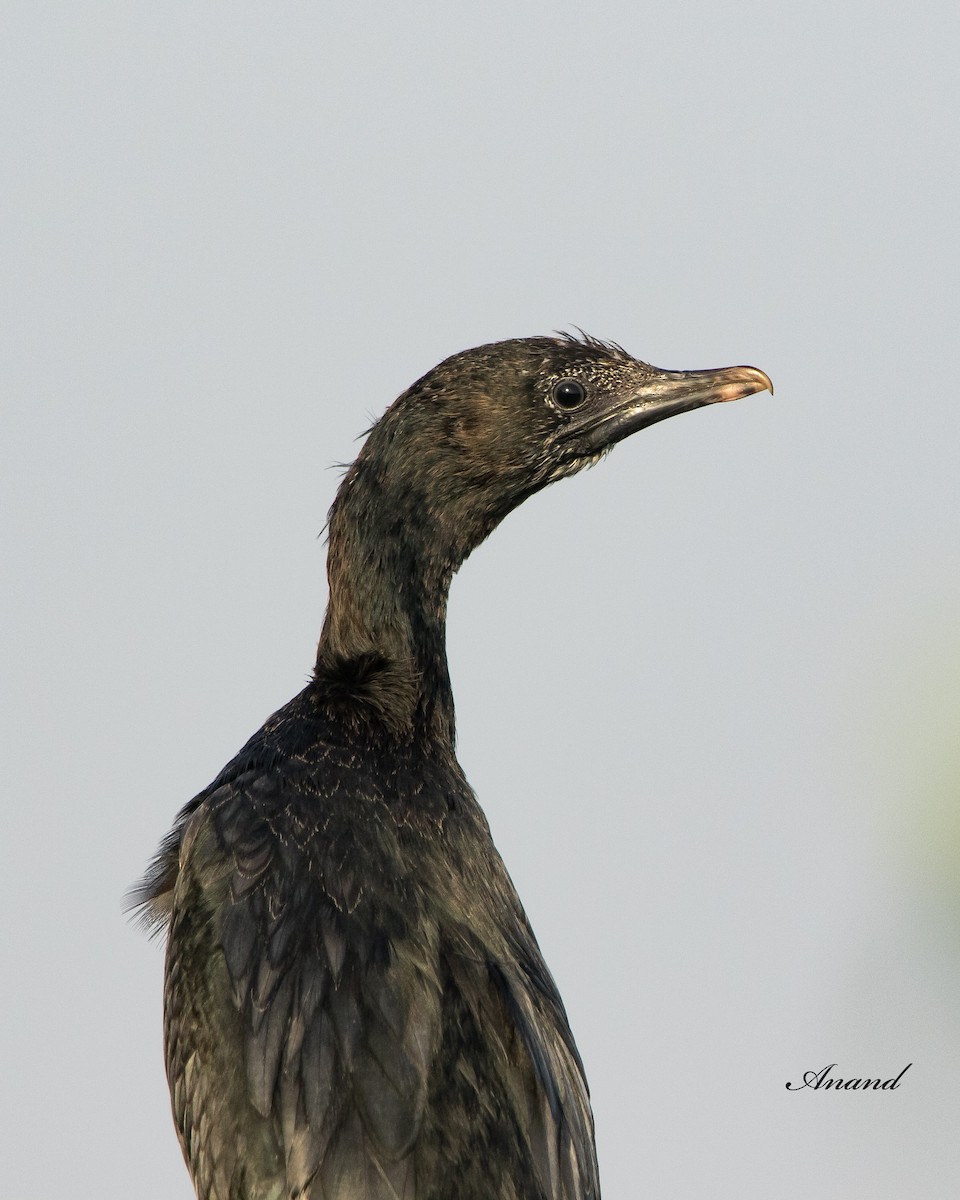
(383, 646)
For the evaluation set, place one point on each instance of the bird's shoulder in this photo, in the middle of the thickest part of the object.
(317, 790)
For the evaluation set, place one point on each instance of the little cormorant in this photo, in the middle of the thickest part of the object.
(355, 1005)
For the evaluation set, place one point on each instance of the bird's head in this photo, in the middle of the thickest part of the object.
(488, 427)
(445, 463)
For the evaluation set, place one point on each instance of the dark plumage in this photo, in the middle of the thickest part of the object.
(355, 1004)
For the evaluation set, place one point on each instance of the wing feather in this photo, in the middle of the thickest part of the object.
(304, 1018)
(277, 966)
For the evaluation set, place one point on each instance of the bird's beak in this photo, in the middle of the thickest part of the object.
(665, 393)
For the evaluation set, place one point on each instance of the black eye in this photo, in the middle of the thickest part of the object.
(569, 394)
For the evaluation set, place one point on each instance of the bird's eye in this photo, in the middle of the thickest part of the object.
(569, 394)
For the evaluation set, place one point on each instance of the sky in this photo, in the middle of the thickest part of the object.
(708, 693)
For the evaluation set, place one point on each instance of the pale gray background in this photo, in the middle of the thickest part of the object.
(708, 693)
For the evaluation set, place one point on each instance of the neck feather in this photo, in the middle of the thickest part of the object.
(383, 645)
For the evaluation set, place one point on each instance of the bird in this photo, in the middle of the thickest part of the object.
(355, 1004)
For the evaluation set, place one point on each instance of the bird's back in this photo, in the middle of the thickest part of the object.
(355, 1005)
